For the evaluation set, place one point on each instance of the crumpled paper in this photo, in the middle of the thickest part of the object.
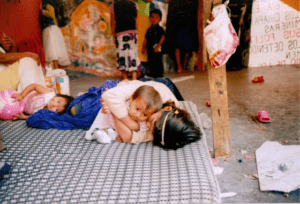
(278, 167)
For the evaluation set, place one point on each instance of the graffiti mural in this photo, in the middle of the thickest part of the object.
(87, 32)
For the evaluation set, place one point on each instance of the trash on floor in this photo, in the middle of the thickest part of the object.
(258, 79)
(263, 117)
(243, 151)
(240, 160)
(214, 162)
(250, 176)
(278, 167)
(208, 104)
(218, 170)
(229, 194)
(247, 157)
(206, 121)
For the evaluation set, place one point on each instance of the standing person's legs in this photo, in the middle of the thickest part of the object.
(134, 75)
(55, 63)
(124, 75)
(186, 59)
(177, 55)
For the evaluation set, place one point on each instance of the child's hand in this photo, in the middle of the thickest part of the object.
(119, 139)
(21, 116)
(105, 109)
(156, 49)
(18, 97)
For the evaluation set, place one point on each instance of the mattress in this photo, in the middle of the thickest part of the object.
(59, 166)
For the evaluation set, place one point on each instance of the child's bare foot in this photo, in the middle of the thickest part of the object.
(119, 139)
(179, 70)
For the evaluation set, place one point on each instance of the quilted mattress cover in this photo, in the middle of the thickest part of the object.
(59, 166)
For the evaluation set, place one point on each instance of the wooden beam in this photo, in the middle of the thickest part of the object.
(219, 110)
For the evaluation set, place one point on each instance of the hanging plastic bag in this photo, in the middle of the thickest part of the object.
(220, 37)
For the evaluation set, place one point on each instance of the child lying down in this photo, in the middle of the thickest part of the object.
(142, 104)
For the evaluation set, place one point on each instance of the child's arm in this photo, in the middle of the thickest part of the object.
(162, 39)
(32, 87)
(21, 116)
(128, 136)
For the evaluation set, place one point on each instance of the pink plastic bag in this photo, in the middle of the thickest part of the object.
(220, 37)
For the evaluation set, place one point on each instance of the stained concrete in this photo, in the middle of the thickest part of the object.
(278, 95)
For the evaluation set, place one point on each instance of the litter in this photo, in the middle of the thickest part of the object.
(278, 167)
(250, 176)
(258, 79)
(263, 117)
(214, 162)
(240, 160)
(243, 151)
(286, 141)
(229, 194)
(247, 157)
(218, 170)
(206, 121)
(208, 104)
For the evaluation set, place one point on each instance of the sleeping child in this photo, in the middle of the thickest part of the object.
(34, 97)
(142, 104)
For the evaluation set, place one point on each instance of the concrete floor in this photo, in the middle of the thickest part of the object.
(278, 95)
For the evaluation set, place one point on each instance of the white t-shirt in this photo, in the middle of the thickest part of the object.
(116, 97)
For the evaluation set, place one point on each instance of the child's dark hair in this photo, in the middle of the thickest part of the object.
(179, 130)
(68, 98)
(150, 95)
(157, 11)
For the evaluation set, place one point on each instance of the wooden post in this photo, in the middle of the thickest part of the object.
(219, 109)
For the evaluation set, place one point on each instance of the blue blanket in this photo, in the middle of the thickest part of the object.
(90, 106)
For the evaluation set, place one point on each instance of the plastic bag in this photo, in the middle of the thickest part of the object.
(220, 37)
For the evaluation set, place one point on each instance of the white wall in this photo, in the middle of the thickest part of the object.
(275, 34)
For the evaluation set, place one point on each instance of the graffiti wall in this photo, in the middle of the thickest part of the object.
(275, 34)
(87, 31)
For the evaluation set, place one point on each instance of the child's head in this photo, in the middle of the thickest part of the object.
(155, 16)
(59, 103)
(174, 129)
(144, 102)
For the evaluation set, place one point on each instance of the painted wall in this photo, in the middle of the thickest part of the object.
(275, 34)
(20, 20)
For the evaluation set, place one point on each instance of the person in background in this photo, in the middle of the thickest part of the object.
(143, 23)
(53, 41)
(18, 69)
(182, 32)
(154, 39)
(124, 30)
